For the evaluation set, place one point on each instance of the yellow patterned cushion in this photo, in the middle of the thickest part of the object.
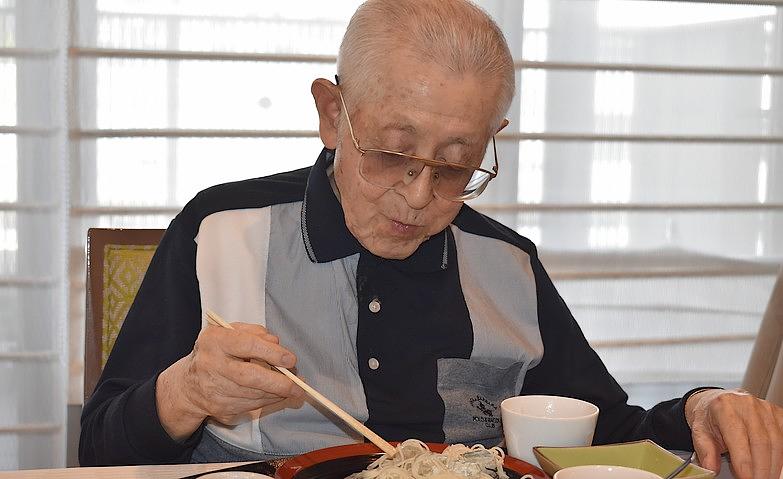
(123, 269)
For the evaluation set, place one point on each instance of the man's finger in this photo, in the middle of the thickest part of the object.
(240, 407)
(735, 436)
(256, 330)
(773, 416)
(759, 438)
(778, 413)
(247, 346)
(259, 378)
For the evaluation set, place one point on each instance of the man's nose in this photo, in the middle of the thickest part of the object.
(418, 192)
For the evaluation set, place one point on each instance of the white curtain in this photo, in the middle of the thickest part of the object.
(644, 158)
(33, 225)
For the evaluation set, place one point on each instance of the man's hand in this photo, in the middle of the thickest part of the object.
(226, 374)
(750, 429)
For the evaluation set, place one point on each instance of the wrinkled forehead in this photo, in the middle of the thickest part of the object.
(414, 96)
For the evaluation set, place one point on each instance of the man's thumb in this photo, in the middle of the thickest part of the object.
(708, 452)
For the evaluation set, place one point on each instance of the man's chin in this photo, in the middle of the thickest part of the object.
(394, 249)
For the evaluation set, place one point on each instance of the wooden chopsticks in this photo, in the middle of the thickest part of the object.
(214, 319)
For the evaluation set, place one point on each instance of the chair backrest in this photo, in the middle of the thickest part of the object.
(764, 374)
(116, 262)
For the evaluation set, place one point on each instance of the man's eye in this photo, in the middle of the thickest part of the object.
(453, 175)
(391, 159)
(457, 160)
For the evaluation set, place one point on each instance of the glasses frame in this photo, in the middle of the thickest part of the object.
(427, 161)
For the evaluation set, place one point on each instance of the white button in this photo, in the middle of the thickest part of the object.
(375, 305)
(374, 364)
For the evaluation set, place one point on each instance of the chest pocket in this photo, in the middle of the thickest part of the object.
(472, 392)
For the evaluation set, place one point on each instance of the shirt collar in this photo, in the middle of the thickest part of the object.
(326, 238)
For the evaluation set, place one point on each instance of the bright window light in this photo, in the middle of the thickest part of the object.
(249, 158)
(534, 46)
(610, 178)
(8, 92)
(530, 172)
(536, 14)
(129, 94)
(236, 8)
(7, 24)
(614, 93)
(8, 240)
(533, 233)
(759, 244)
(762, 181)
(608, 237)
(532, 102)
(8, 188)
(766, 92)
(146, 33)
(627, 14)
(127, 167)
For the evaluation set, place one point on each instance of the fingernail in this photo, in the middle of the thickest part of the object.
(288, 360)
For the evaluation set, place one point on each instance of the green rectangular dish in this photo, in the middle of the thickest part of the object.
(640, 454)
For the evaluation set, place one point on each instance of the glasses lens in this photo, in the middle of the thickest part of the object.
(459, 184)
(389, 171)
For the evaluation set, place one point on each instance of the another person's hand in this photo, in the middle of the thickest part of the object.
(226, 375)
(733, 421)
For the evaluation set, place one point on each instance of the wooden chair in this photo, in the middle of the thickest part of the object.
(764, 374)
(116, 262)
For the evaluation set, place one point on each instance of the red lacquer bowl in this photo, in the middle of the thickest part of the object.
(340, 461)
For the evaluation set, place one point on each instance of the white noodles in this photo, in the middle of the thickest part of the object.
(413, 460)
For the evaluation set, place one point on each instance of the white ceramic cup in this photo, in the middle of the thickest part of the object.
(603, 472)
(530, 421)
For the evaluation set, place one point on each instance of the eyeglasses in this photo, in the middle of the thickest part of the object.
(390, 169)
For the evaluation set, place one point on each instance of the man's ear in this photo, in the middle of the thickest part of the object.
(327, 102)
(502, 125)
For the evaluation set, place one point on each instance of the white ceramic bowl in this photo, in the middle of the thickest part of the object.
(603, 472)
(530, 421)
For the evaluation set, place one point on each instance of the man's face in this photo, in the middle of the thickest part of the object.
(423, 110)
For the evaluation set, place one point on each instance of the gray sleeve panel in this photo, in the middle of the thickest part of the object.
(500, 291)
(312, 308)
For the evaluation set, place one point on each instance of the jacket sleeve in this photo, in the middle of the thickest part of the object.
(120, 422)
(570, 367)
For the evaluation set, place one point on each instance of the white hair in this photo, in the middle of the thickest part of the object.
(454, 34)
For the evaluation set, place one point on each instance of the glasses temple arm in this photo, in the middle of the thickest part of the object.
(350, 126)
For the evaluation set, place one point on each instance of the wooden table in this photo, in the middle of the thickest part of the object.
(169, 471)
(176, 471)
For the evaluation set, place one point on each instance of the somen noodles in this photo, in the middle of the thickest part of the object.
(414, 460)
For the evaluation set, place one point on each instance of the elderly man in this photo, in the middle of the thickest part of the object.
(367, 273)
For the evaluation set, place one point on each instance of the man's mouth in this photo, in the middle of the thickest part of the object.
(401, 225)
(404, 229)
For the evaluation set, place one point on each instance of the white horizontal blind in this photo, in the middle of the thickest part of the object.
(646, 137)
(661, 173)
(642, 158)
